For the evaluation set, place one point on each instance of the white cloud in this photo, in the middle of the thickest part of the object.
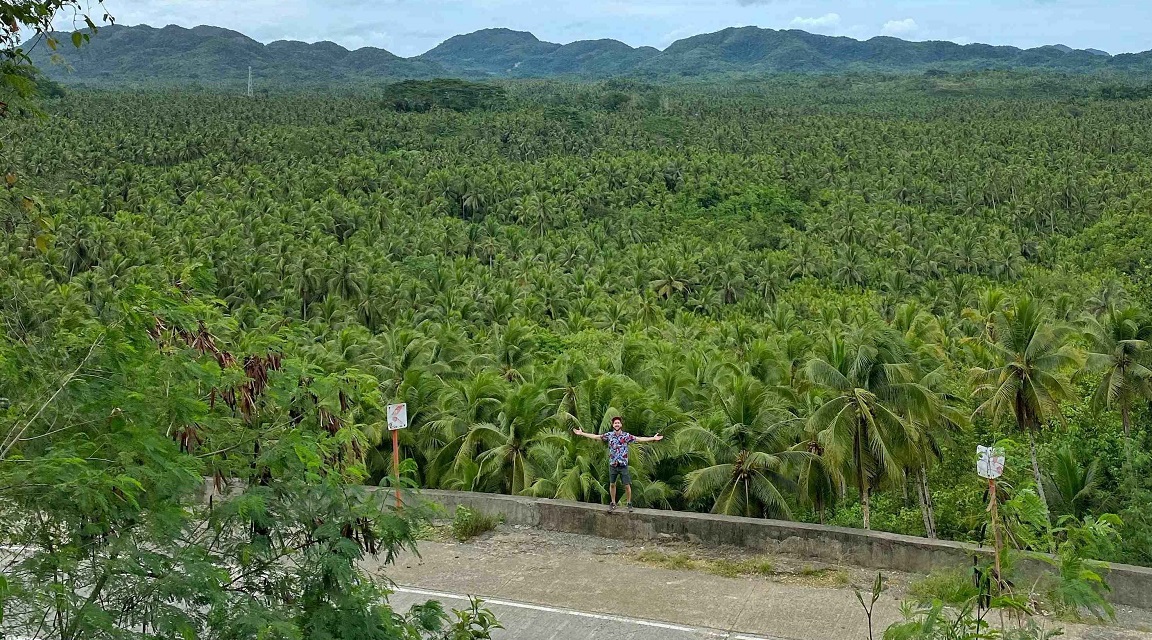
(899, 27)
(824, 21)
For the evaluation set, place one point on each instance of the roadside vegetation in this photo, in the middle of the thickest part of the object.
(467, 524)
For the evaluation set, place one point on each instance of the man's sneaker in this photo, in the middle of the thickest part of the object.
(611, 507)
(629, 507)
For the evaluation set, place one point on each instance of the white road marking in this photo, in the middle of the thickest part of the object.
(581, 614)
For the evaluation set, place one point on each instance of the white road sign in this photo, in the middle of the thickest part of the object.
(397, 416)
(990, 463)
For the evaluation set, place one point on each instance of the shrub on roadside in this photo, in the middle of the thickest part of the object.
(467, 524)
(954, 587)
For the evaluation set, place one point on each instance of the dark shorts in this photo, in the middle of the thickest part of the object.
(619, 472)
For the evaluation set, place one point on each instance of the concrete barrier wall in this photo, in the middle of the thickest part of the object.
(878, 550)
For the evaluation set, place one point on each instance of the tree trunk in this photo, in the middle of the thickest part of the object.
(1026, 422)
(1036, 470)
(927, 510)
(858, 454)
(747, 502)
(1126, 418)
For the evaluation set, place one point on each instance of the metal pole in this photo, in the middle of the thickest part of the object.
(396, 463)
(995, 526)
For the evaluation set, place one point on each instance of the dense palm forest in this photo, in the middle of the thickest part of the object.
(825, 292)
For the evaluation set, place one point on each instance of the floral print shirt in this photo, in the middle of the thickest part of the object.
(618, 442)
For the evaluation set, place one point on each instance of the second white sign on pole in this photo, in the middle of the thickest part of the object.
(397, 416)
(990, 463)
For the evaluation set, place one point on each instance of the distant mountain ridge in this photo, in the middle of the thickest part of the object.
(214, 55)
(176, 55)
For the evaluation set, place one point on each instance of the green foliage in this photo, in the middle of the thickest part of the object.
(20, 82)
(1071, 486)
(1135, 545)
(790, 280)
(765, 214)
(952, 587)
(1079, 587)
(1025, 518)
(488, 51)
(958, 606)
(733, 569)
(456, 95)
(103, 464)
(937, 621)
(749, 441)
(467, 524)
(1125, 92)
(37, 16)
(870, 606)
(667, 560)
(473, 623)
(614, 100)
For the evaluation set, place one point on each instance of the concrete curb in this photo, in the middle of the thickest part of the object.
(1131, 585)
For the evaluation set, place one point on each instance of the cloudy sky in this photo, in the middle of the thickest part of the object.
(410, 27)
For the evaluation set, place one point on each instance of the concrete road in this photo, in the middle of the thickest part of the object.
(525, 621)
(577, 573)
(552, 586)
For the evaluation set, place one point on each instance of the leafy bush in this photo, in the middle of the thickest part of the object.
(1080, 587)
(952, 587)
(467, 524)
(473, 623)
(937, 622)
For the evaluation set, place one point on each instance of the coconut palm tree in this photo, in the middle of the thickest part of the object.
(748, 447)
(940, 414)
(1119, 350)
(671, 278)
(865, 419)
(462, 403)
(1029, 383)
(568, 471)
(1071, 485)
(513, 348)
(523, 420)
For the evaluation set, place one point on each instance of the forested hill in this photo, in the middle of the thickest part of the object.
(216, 56)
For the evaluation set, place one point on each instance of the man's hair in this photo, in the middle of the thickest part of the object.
(617, 419)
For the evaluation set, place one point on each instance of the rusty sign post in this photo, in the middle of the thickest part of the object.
(990, 466)
(397, 420)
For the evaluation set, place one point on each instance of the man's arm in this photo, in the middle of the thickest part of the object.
(655, 438)
(590, 436)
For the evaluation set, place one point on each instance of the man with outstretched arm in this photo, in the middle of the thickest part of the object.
(618, 440)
